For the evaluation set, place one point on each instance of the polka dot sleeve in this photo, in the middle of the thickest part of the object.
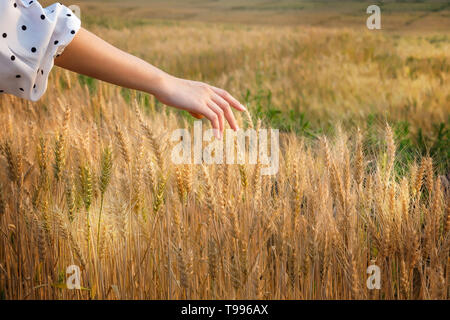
(30, 38)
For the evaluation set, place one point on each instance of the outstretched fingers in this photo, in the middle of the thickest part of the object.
(214, 118)
(229, 98)
(216, 108)
(228, 113)
(220, 114)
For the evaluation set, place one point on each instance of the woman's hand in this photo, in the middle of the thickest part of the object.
(200, 100)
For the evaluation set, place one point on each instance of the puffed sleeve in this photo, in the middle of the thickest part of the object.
(30, 38)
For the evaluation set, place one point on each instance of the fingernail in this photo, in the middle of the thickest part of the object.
(243, 107)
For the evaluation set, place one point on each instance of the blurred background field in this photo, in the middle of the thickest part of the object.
(302, 66)
(400, 15)
(87, 179)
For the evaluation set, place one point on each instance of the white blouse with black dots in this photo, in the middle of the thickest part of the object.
(30, 38)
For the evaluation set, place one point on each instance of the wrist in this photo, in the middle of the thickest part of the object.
(158, 84)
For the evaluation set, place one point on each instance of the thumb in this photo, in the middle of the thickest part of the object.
(196, 115)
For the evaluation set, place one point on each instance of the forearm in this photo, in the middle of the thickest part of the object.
(90, 55)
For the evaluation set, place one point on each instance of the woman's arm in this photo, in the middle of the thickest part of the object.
(89, 55)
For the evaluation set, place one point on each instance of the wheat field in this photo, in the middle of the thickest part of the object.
(86, 176)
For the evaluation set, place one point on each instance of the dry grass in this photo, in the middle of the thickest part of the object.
(141, 227)
(86, 176)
